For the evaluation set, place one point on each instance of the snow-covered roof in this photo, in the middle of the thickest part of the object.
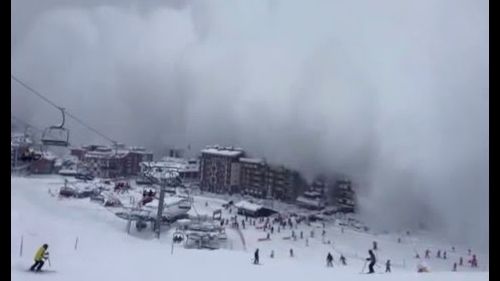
(310, 202)
(168, 203)
(252, 160)
(164, 174)
(177, 164)
(312, 194)
(222, 152)
(248, 206)
(68, 172)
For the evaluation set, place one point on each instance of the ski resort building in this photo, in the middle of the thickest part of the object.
(253, 177)
(286, 184)
(311, 200)
(344, 195)
(220, 169)
(263, 180)
(315, 197)
(188, 170)
(45, 165)
(107, 162)
(253, 210)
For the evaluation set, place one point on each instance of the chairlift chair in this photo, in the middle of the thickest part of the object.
(56, 135)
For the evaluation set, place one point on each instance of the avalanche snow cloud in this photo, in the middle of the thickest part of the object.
(394, 93)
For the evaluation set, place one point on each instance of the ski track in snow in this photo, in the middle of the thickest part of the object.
(106, 252)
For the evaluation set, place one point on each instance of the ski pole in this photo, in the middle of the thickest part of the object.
(364, 265)
(48, 259)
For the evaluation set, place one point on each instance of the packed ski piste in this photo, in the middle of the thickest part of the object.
(101, 230)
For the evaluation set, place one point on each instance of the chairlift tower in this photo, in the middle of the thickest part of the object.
(167, 179)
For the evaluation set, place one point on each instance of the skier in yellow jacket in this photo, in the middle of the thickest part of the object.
(40, 256)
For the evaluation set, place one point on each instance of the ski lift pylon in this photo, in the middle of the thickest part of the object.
(56, 135)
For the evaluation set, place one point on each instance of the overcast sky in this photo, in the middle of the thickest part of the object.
(394, 93)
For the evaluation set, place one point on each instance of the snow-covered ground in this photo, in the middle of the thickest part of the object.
(106, 252)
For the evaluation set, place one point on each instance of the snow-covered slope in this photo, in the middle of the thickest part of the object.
(106, 252)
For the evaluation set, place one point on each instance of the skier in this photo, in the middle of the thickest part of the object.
(388, 266)
(454, 266)
(323, 233)
(375, 245)
(461, 261)
(473, 261)
(40, 256)
(256, 256)
(372, 260)
(427, 253)
(329, 260)
(444, 255)
(291, 252)
(272, 254)
(342, 259)
(438, 254)
(268, 236)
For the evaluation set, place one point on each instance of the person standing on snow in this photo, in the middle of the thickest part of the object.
(372, 260)
(342, 259)
(256, 256)
(427, 253)
(388, 266)
(291, 253)
(272, 254)
(329, 260)
(473, 261)
(40, 256)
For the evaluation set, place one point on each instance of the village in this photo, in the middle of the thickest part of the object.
(216, 169)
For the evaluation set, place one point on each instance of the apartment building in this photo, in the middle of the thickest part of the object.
(219, 169)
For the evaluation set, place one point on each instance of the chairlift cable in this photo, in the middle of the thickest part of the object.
(38, 94)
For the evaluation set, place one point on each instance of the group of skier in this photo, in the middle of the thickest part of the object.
(372, 259)
(473, 261)
(329, 260)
